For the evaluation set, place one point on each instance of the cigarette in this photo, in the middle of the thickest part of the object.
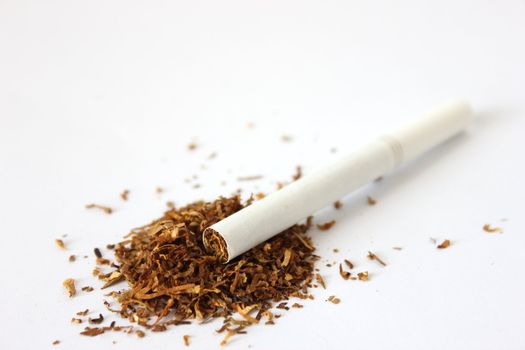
(276, 212)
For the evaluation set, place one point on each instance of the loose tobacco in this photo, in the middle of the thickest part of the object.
(171, 279)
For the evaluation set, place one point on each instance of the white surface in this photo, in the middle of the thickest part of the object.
(328, 184)
(99, 96)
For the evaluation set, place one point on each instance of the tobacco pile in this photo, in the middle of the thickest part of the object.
(172, 279)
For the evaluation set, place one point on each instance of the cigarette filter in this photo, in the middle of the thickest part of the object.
(265, 218)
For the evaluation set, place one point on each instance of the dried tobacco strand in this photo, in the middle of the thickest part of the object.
(186, 340)
(298, 173)
(249, 178)
(333, 299)
(56, 342)
(344, 274)
(140, 333)
(371, 201)
(97, 320)
(69, 285)
(338, 205)
(76, 320)
(363, 276)
(105, 209)
(372, 256)
(83, 313)
(326, 226)
(87, 289)
(72, 258)
(172, 279)
(444, 244)
(60, 244)
(124, 195)
(489, 229)
(97, 252)
(349, 264)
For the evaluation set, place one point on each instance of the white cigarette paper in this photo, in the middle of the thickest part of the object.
(276, 212)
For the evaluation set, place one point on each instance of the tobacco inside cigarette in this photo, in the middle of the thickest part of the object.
(265, 218)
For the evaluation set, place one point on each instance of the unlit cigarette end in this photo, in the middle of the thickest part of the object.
(263, 219)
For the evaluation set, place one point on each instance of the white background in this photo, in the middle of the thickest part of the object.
(97, 96)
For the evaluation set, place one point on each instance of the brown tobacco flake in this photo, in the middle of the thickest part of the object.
(97, 320)
(140, 333)
(363, 276)
(87, 289)
(124, 195)
(344, 274)
(97, 252)
(338, 205)
(69, 285)
(159, 189)
(60, 244)
(92, 332)
(444, 244)
(371, 201)
(170, 204)
(372, 256)
(192, 146)
(259, 195)
(186, 340)
(320, 280)
(72, 258)
(83, 313)
(489, 229)
(249, 178)
(76, 320)
(297, 306)
(105, 209)
(349, 264)
(326, 226)
(56, 342)
(298, 173)
(333, 299)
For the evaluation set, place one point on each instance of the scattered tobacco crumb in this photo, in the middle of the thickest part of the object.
(69, 285)
(489, 229)
(97, 320)
(373, 256)
(338, 205)
(60, 244)
(124, 195)
(76, 320)
(186, 340)
(333, 299)
(140, 333)
(56, 342)
(97, 252)
(105, 209)
(87, 289)
(83, 313)
(298, 173)
(444, 244)
(170, 204)
(192, 146)
(110, 246)
(159, 189)
(335, 250)
(326, 226)
(320, 279)
(249, 178)
(259, 195)
(371, 201)
(297, 305)
(363, 276)
(397, 248)
(72, 258)
(349, 264)
(344, 274)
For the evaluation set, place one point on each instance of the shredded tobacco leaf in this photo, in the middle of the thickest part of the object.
(60, 244)
(349, 264)
(338, 205)
(72, 258)
(344, 274)
(124, 195)
(371, 201)
(171, 279)
(69, 285)
(444, 244)
(56, 342)
(333, 299)
(373, 256)
(105, 209)
(363, 276)
(489, 229)
(298, 173)
(186, 340)
(326, 226)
